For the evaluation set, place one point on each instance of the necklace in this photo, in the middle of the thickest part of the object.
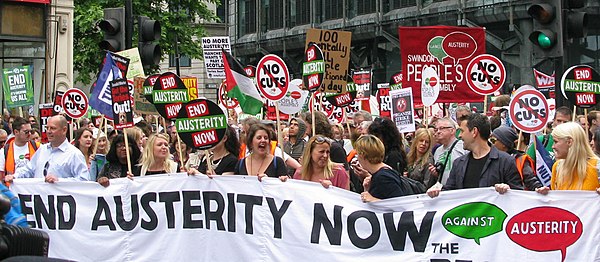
(259, 168)
(215, 163)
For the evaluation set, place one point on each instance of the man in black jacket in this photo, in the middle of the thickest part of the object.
(484, 165)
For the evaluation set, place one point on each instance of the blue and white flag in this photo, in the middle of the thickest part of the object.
(100, 99)
(543, 162)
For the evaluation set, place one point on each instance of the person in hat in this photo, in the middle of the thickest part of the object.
(503, 138)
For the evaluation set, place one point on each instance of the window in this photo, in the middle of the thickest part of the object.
(334, 9)
(299, 12)
(365, 7)
(247, 17)
(274, 12)
(396, 4)
(222, 11)
(184, 60)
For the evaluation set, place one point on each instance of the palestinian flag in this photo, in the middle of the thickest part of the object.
(241, 87)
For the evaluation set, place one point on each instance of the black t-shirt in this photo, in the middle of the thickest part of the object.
(337, 154)
(395, 160)
(474, 170)
(385, 183)
(275, 169)
(148, 173)
(224, 164)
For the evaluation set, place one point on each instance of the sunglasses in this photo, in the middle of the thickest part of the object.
(321, 139)
(492, 140)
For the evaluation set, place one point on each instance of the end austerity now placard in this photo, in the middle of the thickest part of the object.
(238, 218)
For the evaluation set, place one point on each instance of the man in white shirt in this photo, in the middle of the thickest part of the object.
(57, 159)
(18, 151)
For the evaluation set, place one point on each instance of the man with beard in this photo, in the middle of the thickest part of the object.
(295, 145)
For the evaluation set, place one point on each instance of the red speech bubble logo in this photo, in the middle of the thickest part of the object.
(459, 45)
(545, 229)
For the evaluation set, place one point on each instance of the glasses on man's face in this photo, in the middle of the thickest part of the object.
(441, 128)
(27, 131)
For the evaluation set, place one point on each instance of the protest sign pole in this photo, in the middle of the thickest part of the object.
(574, 112)
(127, 152)
(520, 137)
(157, 124)
(21, 111)
(279, 136)
(105, 121)
(484, 105)
(179, 149)
(71, 126)
(587, 127)
(97, 139)
(209, 167)
(312, 114)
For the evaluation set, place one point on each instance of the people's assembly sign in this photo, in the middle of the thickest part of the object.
(213, 62)
(271, 220)
(18, 86)
(449, 50)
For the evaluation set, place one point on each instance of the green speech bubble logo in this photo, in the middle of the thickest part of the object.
(435, 48)
(474, 220)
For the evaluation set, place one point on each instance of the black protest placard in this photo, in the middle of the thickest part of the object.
(168, 95)
(57, 108)
(581, 85)
(46, 111)
(201, 124)
(313, 68)
(122, 106)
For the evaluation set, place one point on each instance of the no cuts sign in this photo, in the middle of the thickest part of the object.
(529, 110)
(74, 103)
(485, 74)
(272, 77)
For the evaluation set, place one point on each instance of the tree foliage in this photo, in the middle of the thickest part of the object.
(178, 18)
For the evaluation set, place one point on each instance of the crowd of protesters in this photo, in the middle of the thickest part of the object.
(367, 156)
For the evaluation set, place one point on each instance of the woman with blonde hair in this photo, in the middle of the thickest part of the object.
(576, 167)
(318, 167)
(420, 157)
(156, 157)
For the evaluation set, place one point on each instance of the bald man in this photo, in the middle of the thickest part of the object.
(57, 159)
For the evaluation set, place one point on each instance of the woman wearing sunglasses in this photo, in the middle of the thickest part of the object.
(260, 162)
(318, 167)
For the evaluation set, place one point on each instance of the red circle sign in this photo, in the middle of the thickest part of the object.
(529, 111)
(485, 74)
(229, 103)
(75, 103)
(272, 77)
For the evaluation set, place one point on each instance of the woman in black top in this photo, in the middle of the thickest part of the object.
(223, 156)
(260, 162)
(117, 161)
(387, 132)
(383, 182)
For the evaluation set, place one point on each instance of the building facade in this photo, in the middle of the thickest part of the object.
(39, 33)
(260, 27)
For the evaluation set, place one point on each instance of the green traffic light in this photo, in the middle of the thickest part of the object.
(544, 41)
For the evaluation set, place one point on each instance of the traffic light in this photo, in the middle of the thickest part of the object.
(113, 28)
(547, 26)
(149, 31)
(576, 21)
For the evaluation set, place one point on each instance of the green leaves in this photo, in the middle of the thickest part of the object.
(179, 20)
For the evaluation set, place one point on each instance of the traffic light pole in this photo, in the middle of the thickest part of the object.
(128, 23)
(558, 72)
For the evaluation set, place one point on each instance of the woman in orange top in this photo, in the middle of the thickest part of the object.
(576, 166)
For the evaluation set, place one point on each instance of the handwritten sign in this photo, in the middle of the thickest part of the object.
(336, 53)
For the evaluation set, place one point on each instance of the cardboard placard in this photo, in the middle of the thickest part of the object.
(362, 82)
(213, 61)
(402, 109)
(336, 52)
(141, 104)
(46, 111)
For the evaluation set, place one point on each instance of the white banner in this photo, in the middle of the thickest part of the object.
(237, 218)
